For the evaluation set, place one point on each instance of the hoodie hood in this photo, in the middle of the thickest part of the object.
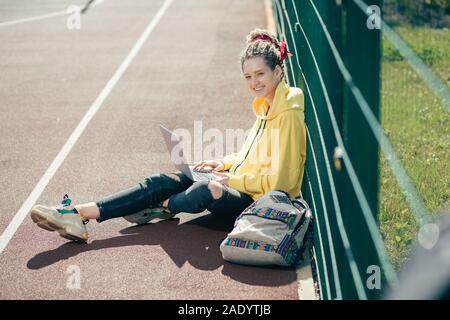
(285, 99)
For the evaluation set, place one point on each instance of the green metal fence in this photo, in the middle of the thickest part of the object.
(336, 62)
(348, 245)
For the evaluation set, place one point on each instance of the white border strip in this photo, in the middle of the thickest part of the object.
(305, 281)
(45, 179)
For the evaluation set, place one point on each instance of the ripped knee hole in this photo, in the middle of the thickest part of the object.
(216, 189)
(172, 176)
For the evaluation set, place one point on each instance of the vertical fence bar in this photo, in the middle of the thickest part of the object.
(316, 99)
(362, 57)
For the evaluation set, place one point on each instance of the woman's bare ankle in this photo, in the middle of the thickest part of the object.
(88, 211)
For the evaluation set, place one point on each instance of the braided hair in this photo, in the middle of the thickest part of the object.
(264, 44)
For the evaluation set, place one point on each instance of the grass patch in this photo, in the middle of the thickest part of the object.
(418, 126)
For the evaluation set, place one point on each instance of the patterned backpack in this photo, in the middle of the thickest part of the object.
(269, 232)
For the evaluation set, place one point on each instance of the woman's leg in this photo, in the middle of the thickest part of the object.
(183, 195)
(70, 223)
(212, 196)
(231, 204)
(151, 192)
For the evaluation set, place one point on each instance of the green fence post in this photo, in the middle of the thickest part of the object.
(362, 58)
(333, 82)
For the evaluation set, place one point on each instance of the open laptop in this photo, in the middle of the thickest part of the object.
(172, 140)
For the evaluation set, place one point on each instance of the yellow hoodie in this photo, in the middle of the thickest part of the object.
(274, 153)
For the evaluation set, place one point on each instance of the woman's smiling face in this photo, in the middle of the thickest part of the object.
(260, 79)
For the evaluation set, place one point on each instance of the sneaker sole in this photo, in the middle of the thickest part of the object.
(43, 219)
(146, 219)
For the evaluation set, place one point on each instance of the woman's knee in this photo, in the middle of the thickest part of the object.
(216, 189)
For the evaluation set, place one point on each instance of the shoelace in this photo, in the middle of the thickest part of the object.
(67, 202)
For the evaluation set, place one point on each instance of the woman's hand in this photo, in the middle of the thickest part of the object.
(224, 177)
(209, 165)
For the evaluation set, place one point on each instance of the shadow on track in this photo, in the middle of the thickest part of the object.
(196, 241)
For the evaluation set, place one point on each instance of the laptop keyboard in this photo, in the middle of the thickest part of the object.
(203, 176)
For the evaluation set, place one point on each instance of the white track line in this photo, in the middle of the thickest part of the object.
(45, 179)
(42, 17)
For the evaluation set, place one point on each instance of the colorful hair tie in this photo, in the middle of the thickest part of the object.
(282, 46)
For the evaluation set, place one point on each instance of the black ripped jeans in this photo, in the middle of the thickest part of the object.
(184, 196)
